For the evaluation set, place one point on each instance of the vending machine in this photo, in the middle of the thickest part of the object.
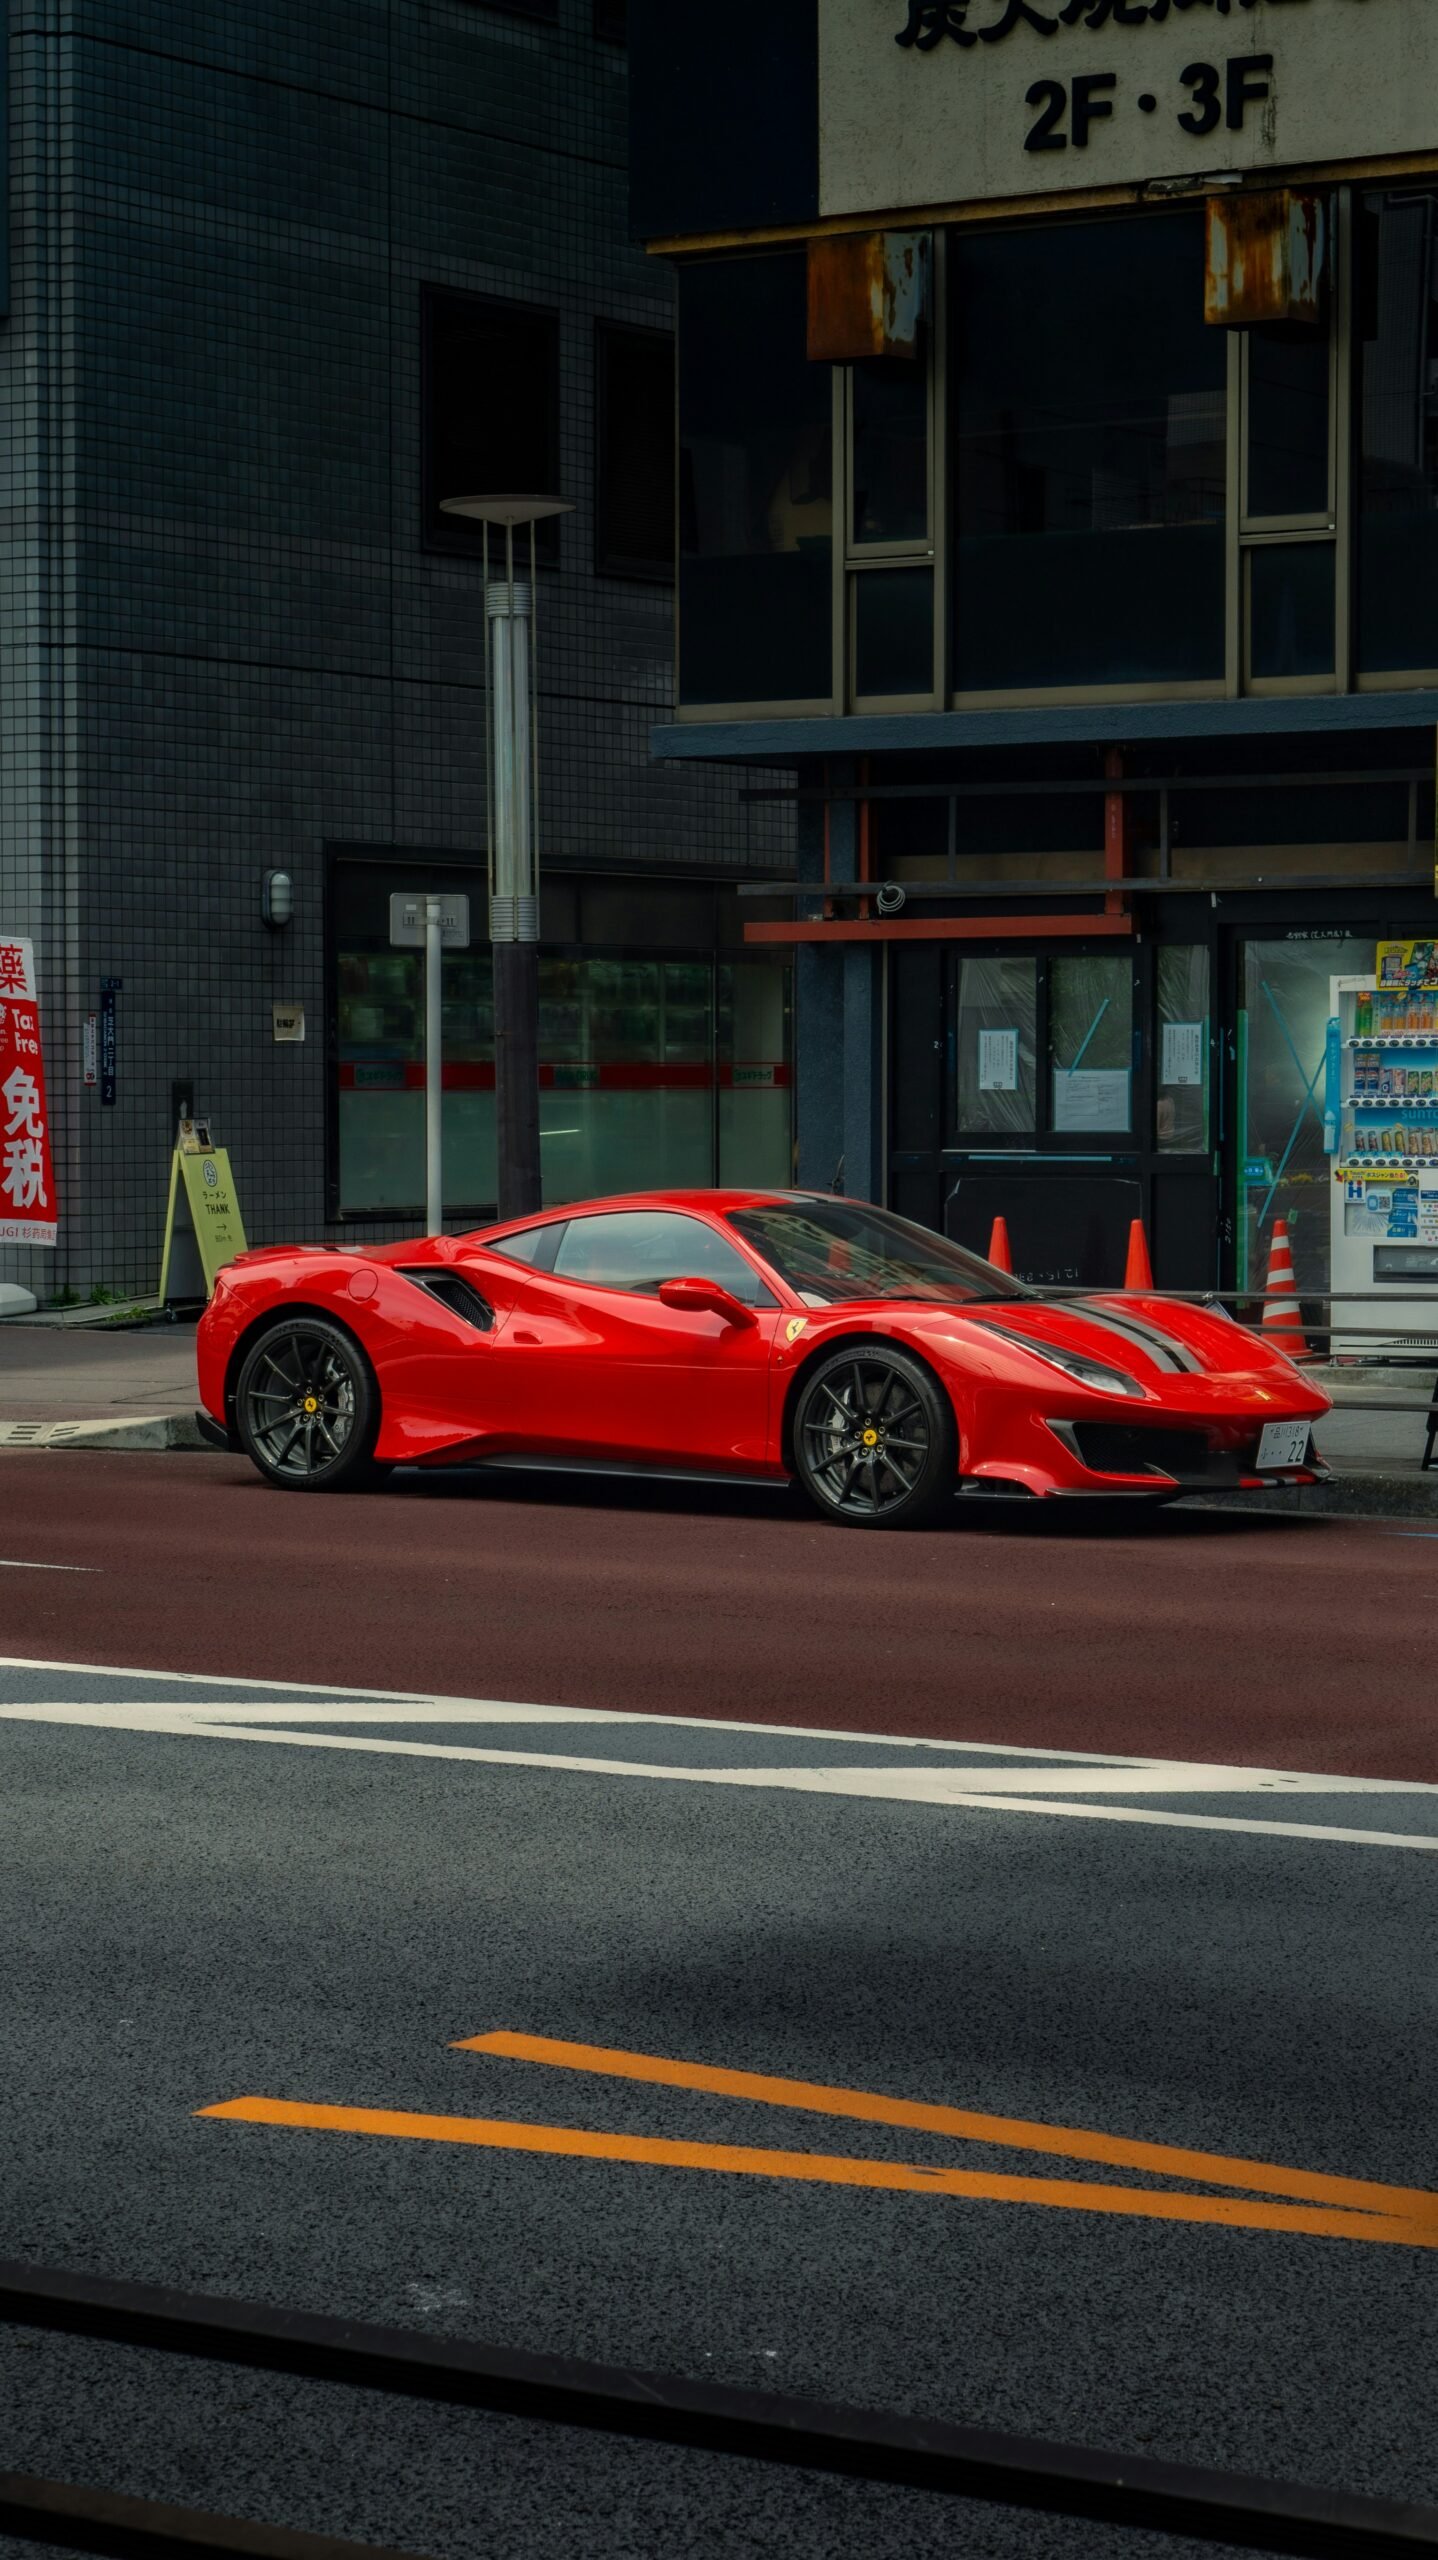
(1381, 1132)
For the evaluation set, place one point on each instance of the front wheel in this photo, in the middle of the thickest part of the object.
(875, 1444)
(307, 1408)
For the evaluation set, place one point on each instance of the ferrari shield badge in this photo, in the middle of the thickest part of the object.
(794, 1328)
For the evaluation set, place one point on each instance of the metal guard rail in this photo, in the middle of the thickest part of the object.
(918, 2453)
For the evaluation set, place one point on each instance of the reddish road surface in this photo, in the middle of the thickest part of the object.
(1282, 1643)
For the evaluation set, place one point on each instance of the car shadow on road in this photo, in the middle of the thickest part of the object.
(784, 1507)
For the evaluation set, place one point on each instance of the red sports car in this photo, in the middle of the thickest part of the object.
(745, 1334)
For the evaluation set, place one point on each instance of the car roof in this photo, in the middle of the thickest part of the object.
(689, 1202)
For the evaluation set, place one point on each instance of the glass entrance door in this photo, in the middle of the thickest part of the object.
(1280, 1046)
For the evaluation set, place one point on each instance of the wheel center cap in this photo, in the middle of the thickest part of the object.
(312, 1404)
(871, 1439)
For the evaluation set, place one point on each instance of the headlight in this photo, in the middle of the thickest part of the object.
(1089, 1373)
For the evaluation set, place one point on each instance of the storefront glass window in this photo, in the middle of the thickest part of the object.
(755, 1051)
(626, 1079)
(1290, 609)
(380, 1008)
(1288, 422)
(891, 452)
(1398, 436)
(653, 1070)
(1181, 1078)
(755, 487)
(998, 1012)
(1089, 403)
(894, 632)
(1282, 1044)
(1091, 1042)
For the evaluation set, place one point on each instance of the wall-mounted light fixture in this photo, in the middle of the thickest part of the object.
(277, 897)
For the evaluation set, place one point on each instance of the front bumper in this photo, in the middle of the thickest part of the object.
(1135, 1457)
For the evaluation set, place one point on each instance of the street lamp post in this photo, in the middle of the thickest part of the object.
(512, 786)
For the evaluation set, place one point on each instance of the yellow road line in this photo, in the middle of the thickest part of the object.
(823, 2168)
(1014, 2133)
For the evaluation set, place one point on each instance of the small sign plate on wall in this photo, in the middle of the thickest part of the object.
(288, 1021)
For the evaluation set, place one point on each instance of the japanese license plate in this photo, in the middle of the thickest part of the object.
(1283, 1444)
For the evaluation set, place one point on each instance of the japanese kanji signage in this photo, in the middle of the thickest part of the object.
(27, 1180)
(938, 102)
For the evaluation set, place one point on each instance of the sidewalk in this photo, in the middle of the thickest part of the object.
(97, 1389)
(109, 1389)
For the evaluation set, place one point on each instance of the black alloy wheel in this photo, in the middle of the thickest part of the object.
(307, 1408)
(875, 1444)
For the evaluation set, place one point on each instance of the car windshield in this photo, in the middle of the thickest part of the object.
(830, 1251)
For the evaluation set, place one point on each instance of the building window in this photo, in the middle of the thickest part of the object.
(634, 494)
(611, 20)
(657, 1069)
(491, 410)
(755, 488)
(546, 9)
(1087, 410)
(1398, 436)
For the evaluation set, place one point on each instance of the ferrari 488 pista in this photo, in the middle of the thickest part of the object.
(759, 1335)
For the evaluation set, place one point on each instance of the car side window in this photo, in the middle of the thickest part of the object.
(535, 1245)
(638, 1248)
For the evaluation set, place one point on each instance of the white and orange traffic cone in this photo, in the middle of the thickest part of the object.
(1282, 1323)
(999, 1253)
(1138, 1270)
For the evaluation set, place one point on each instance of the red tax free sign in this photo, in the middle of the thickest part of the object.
(27, 1179)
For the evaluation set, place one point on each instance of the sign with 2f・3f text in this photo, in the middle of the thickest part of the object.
(27, 1178)
(964, 101)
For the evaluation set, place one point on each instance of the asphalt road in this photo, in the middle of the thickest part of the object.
(1300, 1644)
(283, 1904)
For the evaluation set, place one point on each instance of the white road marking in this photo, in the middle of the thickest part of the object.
(352, 1705)
(977, 1789)
(24, 1564)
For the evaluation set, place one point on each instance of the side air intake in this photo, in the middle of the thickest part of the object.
(455, 1292)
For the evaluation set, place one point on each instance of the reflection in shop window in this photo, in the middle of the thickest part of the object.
(1282, 1170)
(1398, 436)
(998, 1007)
(755, 1049)
(755, 487)
(1091, 1042)
(1181, 1069)
(1088, 403)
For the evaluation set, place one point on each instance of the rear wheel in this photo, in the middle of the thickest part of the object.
(875, 1444)
(307, 1408)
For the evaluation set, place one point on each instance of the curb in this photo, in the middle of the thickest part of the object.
(1346, 1497)
(138, 1431)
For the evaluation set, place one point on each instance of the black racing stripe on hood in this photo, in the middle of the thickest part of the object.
(1149, 1336)
(1039, 1349)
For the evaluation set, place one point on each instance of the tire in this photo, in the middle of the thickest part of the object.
(307, 1408)
(869, 1474)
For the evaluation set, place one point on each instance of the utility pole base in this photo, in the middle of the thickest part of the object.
(516, 1078)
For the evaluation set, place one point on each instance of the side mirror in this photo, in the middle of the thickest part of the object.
(698, 1297)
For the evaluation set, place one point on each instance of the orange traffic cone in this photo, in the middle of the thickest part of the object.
(1138, 1270)
(1282, 1324)
(999, 1253)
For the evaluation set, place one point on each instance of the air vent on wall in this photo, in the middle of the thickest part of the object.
(455, 1292)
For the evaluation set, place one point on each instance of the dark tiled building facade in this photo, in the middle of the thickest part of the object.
(235, 640)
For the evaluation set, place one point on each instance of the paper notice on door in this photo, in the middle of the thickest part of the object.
(1182, 1060)
(998, 1062)
(1091, 1098)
